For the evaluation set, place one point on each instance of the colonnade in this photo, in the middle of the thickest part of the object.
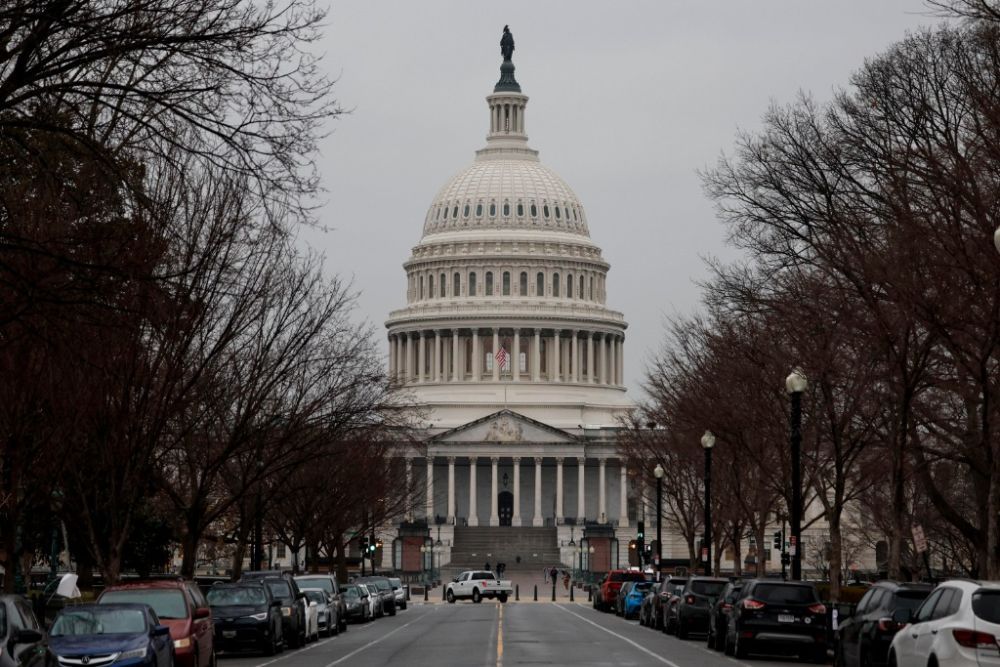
(535, 355)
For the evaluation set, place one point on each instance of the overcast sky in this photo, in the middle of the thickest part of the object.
(628, 101)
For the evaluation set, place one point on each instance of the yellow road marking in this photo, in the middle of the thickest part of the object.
(500, 637)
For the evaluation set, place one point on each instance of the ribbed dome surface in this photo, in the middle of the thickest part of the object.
(512, 193)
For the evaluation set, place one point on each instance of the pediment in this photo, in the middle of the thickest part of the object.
(506, 426)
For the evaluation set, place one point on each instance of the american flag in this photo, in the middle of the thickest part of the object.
(502, 357)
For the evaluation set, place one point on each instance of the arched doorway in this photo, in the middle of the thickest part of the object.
(505, 507)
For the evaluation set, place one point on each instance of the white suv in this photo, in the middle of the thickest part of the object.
(958, 625)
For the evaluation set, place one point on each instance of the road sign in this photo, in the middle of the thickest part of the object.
(919, 539)
(792, 545)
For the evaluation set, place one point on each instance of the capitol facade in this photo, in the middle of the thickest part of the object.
(509, 347)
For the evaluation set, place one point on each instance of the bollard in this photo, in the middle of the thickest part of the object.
(590, 594)
(571, 593)
(426, 588)
(517, 592)
(407, 592)
(536, 592)
(443, 587)
(553, 590)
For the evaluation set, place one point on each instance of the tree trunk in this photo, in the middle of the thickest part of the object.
(899, 490)
(836, 556)
(239, 553)
(341, 559)
(189, 553)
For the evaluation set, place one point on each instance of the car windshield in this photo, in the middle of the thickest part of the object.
(710, 588)
(779, 594)
(986, 605)
(280, 590)
(910, 599)
(244, 596)
(396, 583)
(324, 583)
(383, 585)
(352, 592)
(642, 587)
(318, 597)
(627, 576)
(166, 603)
(78, 622)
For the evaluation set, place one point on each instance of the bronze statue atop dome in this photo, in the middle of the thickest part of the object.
(507, 44)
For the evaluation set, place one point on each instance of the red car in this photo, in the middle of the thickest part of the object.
(607, 593)
(181, 606)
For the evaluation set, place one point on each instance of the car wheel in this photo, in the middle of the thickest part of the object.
(727, 647)
(742, 648)
(892, 659)
(451, 597)
(392, 609)
(503, 598)
(682, 631)
(720, 642)
(476, 596)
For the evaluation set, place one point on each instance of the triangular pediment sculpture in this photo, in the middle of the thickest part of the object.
(506, 426)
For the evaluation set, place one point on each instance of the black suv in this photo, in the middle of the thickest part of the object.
(783, 616)
(864, 637)
(387, 595)
(718, 616)
(695, 604)
(246, 615)
(293, 602)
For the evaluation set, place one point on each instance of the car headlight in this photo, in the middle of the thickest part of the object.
(262, 616)
(286, 611)
(134, 653)
(182, 643)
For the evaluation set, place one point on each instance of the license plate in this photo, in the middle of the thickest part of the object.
(786, 618)
(229, 634)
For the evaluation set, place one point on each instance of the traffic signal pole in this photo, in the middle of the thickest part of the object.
(784, 555)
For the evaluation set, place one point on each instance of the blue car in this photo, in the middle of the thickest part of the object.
(123, 635)
(633, 601)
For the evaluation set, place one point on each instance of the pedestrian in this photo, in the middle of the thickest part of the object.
(487, 566)
(554, 573)
(545, 575)
(565, 579)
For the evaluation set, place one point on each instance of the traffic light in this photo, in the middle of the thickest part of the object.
(777, 541)
(364, 547)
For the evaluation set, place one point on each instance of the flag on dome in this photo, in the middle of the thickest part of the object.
(502, 357)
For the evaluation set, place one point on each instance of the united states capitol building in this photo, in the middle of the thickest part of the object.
(508, 344)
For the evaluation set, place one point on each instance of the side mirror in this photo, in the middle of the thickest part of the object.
(902, 616)
(161, 631)
(27, 636)
(275, 603)
(202, 612)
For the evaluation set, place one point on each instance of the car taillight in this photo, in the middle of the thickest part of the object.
(750, 603)
(817, 609)
(689, 599)
(483, 583)
(886, 624)
(974, 639)
(726, 606)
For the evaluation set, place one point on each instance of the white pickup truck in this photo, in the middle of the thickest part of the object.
(476, 585)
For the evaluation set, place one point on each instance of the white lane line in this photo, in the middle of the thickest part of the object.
(621, 637)
(376, 641)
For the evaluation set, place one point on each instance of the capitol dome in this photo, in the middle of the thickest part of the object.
(506, 292)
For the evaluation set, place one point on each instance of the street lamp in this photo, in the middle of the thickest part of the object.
(658, 474)
(707, 442)
(795, 384)
(996, 239)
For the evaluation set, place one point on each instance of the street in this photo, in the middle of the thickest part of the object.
(443, 635)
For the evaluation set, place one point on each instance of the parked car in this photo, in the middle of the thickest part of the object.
(181, 606)
(384, 589)
(619, 605)
(327, 622)
(293, 606)
(694, 604)
(647, 609)
(360, 605)
(607, 590)
(399, 591)
(246, 615)
(780, 616)
(478, 584)
(127, 635)
(864, 637)
(21, 633)
(669, 600)
(329, 584)
(312, 619)
(958, 625)
(633, 600)
(718, 617)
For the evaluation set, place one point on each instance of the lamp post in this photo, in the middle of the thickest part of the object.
(256, 561)
(707, 442)
(996, 239)
(795, 384)
(658, 474)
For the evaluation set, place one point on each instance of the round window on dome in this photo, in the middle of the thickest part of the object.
(534, 210)
(493, 209)
(466, 211)
(454, 211)
(479, 210)
(520, 210)
(506, 209)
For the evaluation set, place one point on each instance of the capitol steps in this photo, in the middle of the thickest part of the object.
(474, 546)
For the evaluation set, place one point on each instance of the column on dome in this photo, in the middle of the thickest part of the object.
(581, 486)
(536, 356)
(537, 521)
(494, 510)
(516, 519)
(430, 490)
(477, 357)
(493, 354)
(602, 491)
(590, 357)
(603, 378)
(409, 486)
(451, 490)
(623, 499)
(612, 364)
(556, 348)
(515, 356)
(473, 508)
(621, 360)
(559, 490)
(421, 356)
(411, 349)
(436, 375)
(455, 338)
(401, 357)
(574, 360)
(392, 356)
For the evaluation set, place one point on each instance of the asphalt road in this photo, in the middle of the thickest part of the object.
(489, 634)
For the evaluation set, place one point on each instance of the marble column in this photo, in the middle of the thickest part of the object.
(603, 355)
(559, 491)
(574, 358)
(515, 357)
(473, 508)
(496, 348)
(516, 519)
(437, 356)
(612, 364)
(557, 352)
(401, 357)
(409, 485)
(494, 510)
(454, 355)
(623, 500)
(581, 488)
(590, 357)
(477, 357)
(602, 492)
(537, 521)
(421, 356)
(430, 490)
(621, 360)
(536, 357)
(392, 356)
(451, 490)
